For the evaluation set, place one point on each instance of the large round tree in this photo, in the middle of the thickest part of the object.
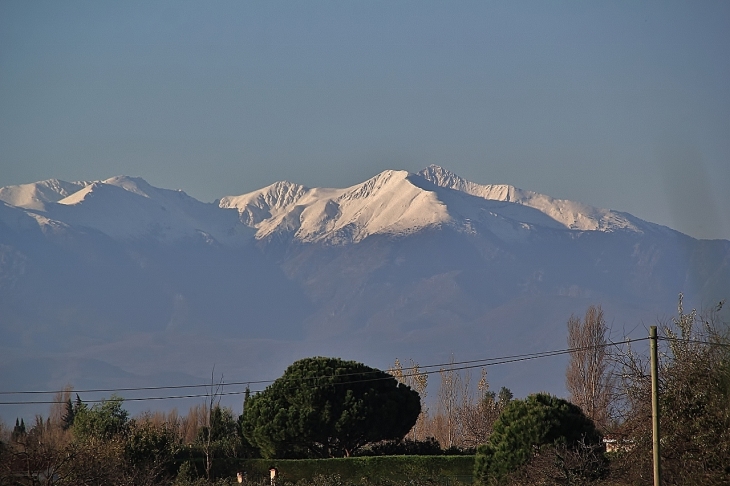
(327, 407)
(525, 427)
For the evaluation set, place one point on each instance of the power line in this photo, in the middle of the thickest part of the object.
(483, 361)
(486, 361)
(463, 365)
(143, 388)
(125, 399)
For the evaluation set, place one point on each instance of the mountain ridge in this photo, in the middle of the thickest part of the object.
(573, 215)
(310, 214)
(391, 202)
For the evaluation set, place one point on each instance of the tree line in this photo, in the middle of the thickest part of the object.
(327, 407)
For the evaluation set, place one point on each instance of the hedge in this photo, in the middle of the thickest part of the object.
(441, 469)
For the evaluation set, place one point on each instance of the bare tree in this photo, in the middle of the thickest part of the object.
(212, 400)
(448, 405)
(477, 415)
(588, 376)
(417, 380)
(463, 417)
(59, 406)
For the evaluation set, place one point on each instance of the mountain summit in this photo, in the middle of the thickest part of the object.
(389, 203)
(400, 203)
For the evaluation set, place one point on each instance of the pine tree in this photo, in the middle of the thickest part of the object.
(327, 407)
(67, 420)
(79, 404)
(525, 428)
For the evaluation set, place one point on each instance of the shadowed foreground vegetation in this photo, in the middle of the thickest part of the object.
(539, 440)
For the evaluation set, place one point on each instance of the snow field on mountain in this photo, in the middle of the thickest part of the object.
(37, 194)
(393, 202)
(572, 215)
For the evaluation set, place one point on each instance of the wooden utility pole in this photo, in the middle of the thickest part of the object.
(655, 403)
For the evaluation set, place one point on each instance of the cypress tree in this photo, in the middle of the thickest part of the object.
(18, 430)
(67, 420)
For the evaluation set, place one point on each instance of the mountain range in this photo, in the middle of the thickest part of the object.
(116, 283)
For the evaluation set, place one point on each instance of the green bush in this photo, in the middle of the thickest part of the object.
(327, 407)
(526, 426)
(103, 420)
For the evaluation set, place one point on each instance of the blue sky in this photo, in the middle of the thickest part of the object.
(624, 105)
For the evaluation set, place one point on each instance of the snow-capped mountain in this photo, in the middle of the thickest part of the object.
(409, 265)
(572, 215)
(391, 203)
(400, 203)
(37, 194)
(126, 208)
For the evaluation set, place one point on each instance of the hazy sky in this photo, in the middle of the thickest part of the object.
(624, 105)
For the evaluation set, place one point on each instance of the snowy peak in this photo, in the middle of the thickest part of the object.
(135, 185)
(385, 182)
(125, 187)
(440, 176)
(388, 203)
(37, 194)
(129, 207)
(445, 178)
(259, 205)
(125, 207)
(132, 185)
(572, 215)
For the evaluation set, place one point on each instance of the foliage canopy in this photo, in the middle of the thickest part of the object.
(524, 427)
(327, 407)
(103, 420)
